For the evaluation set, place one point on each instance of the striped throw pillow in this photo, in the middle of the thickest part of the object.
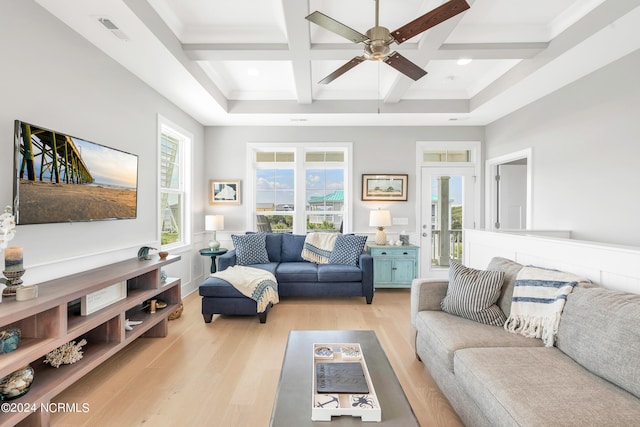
(472, 294)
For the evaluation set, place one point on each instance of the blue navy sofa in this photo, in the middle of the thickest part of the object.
(295, 277)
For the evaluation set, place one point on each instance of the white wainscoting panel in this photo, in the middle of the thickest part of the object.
(609, 266)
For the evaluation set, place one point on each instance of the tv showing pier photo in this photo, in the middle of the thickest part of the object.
(61, 178)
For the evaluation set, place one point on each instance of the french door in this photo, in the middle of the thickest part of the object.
(448, 206)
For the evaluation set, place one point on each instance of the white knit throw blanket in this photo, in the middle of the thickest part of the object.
(257, 284)
(539, 296)
(318, 247)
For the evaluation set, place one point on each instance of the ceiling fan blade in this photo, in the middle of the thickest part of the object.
(336, 27)
(405, 66)
(429, 20)
(340, 71)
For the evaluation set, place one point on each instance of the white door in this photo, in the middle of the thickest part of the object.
(447, 207)
(512, 196)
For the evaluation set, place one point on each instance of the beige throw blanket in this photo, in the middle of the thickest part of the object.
(257, 284)
(318, 247)
(539, 296)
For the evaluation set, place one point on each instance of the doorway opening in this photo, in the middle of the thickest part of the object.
(508, 192)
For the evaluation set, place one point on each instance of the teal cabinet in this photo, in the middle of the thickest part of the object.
(394, 266)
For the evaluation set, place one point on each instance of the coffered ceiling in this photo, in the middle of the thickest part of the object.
(249, 62)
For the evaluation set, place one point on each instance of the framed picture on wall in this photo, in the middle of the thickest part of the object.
(225, 192)
(390, 188)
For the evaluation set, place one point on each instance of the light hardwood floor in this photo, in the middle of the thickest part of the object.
(226, 373)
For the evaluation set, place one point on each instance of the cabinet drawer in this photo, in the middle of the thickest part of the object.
(394, 252)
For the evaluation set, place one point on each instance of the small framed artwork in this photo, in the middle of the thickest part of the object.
(225, 192)
(390, 188)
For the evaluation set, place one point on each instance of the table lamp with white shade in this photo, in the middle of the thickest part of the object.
(380, 219)
(214, 223)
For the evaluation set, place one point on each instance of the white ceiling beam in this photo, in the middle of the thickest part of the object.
(440, 106)
(237, 52)
(346, 51)
(299, 42)
(159, 28)
(488, 50)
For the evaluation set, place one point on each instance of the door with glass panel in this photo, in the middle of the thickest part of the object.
(447, 208)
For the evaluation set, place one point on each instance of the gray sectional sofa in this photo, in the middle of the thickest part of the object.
(295, 276)
(590, 377)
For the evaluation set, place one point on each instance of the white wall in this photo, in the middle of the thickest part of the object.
(52, 77)
(610, 266)
(375, 150)
(585, 140)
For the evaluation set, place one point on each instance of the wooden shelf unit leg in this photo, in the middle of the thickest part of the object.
(160, 330)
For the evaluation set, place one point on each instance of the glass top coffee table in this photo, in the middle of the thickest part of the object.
(293, 402)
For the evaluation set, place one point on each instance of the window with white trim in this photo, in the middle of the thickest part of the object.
(175, 158)
(300, 187)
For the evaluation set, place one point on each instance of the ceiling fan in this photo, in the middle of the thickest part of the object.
(378, 39)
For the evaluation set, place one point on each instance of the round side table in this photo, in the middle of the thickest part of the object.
(213, 254)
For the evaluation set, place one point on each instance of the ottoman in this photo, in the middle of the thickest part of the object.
(220, 297)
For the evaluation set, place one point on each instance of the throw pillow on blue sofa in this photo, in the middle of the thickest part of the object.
(250, 249)
(347, 249)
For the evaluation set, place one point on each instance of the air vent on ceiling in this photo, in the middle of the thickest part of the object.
(109, 25)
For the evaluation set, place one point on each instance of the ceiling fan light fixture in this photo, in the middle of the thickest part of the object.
(378, 47)
(376, 52)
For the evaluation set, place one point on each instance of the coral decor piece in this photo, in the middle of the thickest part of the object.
(7, 227)
(66, 354)
(129, 324)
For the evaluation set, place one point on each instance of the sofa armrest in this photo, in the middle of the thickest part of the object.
(426, 294)
(366, 265)
(227, 260)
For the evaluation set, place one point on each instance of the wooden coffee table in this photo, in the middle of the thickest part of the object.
(293, 399)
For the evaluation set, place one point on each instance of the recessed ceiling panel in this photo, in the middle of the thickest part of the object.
(502, 21)
(368, 80)
(360, 15)
(448, 80)
(258, 80)
(237, 21)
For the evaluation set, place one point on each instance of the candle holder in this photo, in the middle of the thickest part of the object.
(14, 281)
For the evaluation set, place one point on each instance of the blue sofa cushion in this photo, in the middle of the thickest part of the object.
(274, 246)
(339, 273)
(270, 267)
(297, 272)
(292, 245)
(250, 249)
(347, 249)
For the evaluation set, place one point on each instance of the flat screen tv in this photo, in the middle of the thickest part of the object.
(61, 178)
